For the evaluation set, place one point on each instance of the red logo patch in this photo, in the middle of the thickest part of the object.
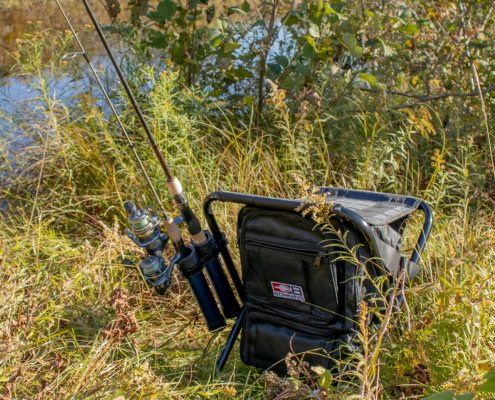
(287, 291)
(280, 287)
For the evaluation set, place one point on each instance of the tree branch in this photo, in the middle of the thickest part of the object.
(433, 97)
(265, 48)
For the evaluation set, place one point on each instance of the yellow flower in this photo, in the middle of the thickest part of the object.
(437, 160)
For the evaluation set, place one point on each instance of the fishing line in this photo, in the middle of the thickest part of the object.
(128, 90)
(121, 125)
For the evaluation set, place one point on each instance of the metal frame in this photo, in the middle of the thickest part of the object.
(289, 205)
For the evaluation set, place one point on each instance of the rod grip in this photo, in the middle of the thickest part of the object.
(173, 231)
(174, 187)
(193, 225)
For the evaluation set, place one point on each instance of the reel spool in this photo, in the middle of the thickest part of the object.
(145, 232)
(156, 273)
(145, 224)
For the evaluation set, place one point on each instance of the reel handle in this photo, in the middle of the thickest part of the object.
(130, 207)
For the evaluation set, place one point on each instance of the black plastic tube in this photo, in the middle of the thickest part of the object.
(223, 291)
(206, 302)
(207, 251)
(191, 268)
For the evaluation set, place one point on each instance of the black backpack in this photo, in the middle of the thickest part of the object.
(301, 295)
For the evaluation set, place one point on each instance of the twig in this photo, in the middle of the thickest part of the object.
(478, 86)
(408, 310)
(377, 380)
(189, 70)
(387, 319)
(265, 49)
(487, 15)
(422, 99)
(337, 99)
(5, 47)
(285, 392)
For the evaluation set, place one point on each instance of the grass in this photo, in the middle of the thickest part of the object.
(61, 238)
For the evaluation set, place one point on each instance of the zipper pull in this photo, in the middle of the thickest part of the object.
(316, 264)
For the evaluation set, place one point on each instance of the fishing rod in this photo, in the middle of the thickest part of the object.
(173, 185)
(171, 228)
(145, 223)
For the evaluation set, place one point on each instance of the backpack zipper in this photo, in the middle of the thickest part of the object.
(302, 250)
(316, 264)
(305, 251)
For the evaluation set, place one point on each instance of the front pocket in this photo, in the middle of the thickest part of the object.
(266, 341)
(297, 276)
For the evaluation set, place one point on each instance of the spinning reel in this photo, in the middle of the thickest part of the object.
(146, 232)
(190, 260)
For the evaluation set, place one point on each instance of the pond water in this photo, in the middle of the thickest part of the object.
(16, 17)
(16, 20)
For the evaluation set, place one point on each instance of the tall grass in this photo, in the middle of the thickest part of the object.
(61, 239)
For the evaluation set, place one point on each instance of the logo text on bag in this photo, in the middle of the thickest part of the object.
(287, 291)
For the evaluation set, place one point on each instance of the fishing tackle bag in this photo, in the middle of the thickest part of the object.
(304, 281)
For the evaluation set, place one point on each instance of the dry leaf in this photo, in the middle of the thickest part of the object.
(454, 262)
(424, 289)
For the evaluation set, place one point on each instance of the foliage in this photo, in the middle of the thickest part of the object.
(322, 52)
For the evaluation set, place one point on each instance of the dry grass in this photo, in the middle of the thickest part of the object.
(74, 324)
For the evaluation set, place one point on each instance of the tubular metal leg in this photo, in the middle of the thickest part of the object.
(229, 344)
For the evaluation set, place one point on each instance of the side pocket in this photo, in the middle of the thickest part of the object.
(266, 341)
(294, 276)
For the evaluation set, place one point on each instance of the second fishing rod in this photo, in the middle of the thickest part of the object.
(191, 260)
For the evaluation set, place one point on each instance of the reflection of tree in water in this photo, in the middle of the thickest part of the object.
(16, 17)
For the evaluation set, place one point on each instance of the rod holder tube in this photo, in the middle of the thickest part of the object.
(225, 295)
(206, 302)
(218, 279)
(191, 269)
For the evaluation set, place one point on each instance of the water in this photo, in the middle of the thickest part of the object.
(17, 18)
